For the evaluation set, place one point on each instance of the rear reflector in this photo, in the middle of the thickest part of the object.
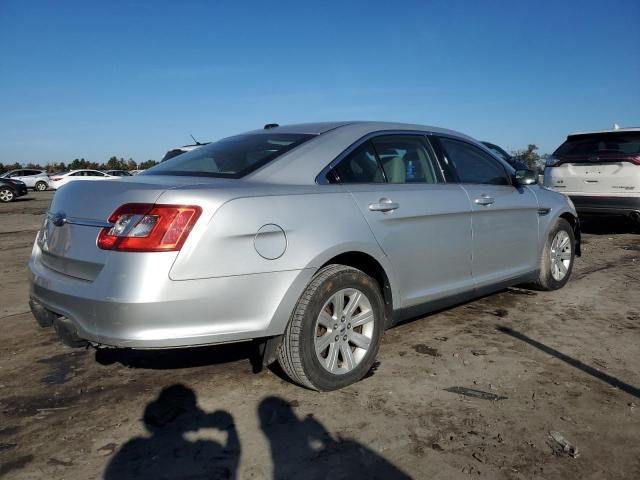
(144, 227)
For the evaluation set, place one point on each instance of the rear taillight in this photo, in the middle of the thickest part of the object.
(55, 179)
(144, 227)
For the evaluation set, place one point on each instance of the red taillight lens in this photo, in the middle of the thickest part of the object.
(143, 227)
(55, 179)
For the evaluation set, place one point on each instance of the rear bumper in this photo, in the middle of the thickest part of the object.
(156, 312)
(606, 205)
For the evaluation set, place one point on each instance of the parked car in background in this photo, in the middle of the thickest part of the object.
(599, 171)
(60, 179)
(311, 239)
(118, 173)
(502, 154)
(10, 189)
(32, 178)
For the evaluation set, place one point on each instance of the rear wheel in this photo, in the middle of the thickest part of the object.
(557, 257)
(334, 333)
(6, 195)
(41, 186)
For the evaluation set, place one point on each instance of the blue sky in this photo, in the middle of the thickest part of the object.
(133, 79)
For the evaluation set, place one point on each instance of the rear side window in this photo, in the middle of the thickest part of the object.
(232, 157)
(624, 143)
(471, 165)
(360, 166)
(407, 159)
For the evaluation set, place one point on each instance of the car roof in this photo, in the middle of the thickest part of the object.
(611, 130)
(303, 163)
(318, 128)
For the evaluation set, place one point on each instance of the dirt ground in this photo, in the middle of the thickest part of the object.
(472, 391)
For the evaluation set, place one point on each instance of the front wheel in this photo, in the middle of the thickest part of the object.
(41, 186)
(557, 259)
(6, 195)
(334, 333)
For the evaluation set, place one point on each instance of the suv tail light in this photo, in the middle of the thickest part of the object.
(144, 227)
(55, 179)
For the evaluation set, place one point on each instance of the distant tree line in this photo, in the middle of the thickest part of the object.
(114, 163)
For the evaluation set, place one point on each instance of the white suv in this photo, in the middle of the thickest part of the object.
(599, 171)
(33, 178)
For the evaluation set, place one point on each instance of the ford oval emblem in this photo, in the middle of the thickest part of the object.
(58, 219)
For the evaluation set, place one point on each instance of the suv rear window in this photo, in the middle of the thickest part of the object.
(232, 157)
(623, 143)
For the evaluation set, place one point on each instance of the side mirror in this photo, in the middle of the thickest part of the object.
(526, 177)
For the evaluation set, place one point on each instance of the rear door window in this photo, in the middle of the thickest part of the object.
(360, 166)
(407, 159)
(469, 164)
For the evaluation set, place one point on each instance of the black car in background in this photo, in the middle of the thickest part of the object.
(11, 189)
(501, 153)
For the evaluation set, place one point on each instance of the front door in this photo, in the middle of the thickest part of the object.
(505, 217)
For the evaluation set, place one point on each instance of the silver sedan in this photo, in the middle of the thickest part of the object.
(310, 239)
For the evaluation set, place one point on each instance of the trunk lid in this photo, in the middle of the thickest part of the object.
(600, 174)
(80, 209)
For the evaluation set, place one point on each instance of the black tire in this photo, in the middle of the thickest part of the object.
(546, 281)
(297, 355)
(6, 195)
(41, 186)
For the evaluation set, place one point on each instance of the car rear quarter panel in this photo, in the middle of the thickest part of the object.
(317, 226)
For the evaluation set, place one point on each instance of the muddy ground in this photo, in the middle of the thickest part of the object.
(472, 391)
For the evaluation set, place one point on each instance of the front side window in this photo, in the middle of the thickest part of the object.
(407, 159)
(469, 164)
(232, 157)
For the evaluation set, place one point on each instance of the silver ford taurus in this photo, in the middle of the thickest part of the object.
(310, 239)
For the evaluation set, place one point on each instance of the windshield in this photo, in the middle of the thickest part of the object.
(232, 157)
(623, 143)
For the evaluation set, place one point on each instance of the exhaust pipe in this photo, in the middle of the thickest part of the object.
(67, 333)
(62, 325)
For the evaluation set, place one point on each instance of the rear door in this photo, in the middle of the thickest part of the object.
(30, 177)
(421, 223)
(505, 218)
(597, 164)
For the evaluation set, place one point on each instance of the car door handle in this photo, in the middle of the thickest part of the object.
(384, 205)
(484, 200)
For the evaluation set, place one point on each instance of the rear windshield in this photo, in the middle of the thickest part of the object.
(232, 157)
(627, 143)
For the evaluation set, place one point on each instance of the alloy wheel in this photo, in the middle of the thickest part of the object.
(560, 255)
(6, 195)
(344, 331)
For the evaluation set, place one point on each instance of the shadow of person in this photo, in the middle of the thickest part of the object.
(305, 449)
(167, 454)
